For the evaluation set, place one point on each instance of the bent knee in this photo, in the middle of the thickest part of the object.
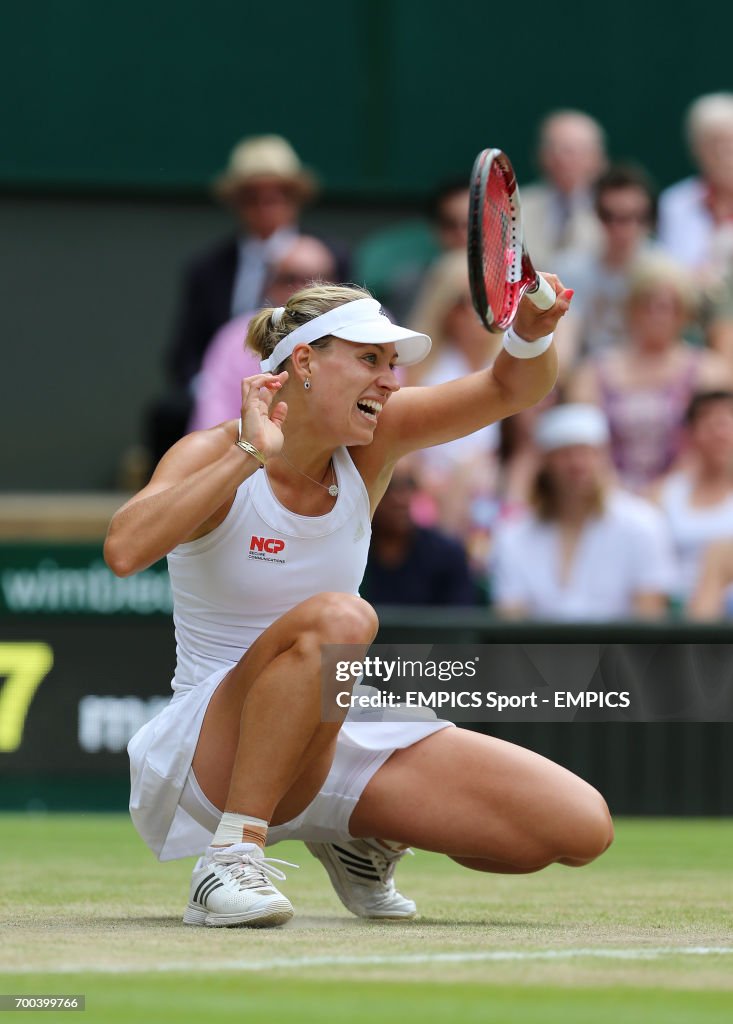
(581, 834)
(343, 619)
(592, 833)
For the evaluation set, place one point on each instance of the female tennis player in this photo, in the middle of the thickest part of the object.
(265, 523)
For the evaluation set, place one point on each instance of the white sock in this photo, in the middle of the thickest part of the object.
(240, 828)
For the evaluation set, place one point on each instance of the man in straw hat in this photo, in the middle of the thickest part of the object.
(266, 186)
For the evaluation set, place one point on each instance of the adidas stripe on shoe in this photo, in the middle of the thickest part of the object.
(362, 873)
(231, 887)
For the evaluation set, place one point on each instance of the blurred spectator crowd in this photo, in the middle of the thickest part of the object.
(611, 500)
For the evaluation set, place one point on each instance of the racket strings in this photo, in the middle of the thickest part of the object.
(498, 265)
(499, 247)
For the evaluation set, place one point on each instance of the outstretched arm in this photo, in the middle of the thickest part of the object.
(421, 417)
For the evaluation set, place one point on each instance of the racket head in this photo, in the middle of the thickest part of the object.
(499, 268)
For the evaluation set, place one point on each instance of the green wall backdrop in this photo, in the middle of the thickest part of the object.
(380, 95)
(115, 117)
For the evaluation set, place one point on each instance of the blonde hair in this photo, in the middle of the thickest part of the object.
(654, 272)
(302, 306)
(445, 283)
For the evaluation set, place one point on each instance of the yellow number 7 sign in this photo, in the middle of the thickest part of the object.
(24, 666)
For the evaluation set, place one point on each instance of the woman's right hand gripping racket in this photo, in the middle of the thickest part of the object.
(499, 266)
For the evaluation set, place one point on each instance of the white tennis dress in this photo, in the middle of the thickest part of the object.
(228, 587)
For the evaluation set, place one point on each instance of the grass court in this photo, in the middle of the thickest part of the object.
(643, 934)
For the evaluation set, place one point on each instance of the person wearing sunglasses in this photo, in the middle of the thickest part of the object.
(626, 206)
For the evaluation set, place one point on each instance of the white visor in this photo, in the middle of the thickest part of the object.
(361, 320)
(571, 424)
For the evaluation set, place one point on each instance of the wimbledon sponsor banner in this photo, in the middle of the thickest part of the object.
(74, 580)
(74, 690)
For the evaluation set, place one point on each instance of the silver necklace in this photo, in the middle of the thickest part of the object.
(333, 490)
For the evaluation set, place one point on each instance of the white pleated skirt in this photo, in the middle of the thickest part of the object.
(161, 753)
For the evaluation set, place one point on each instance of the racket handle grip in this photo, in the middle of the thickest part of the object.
(542, 293)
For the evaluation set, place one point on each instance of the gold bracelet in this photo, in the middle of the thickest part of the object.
(251, 450)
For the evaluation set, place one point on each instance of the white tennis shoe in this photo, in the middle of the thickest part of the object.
(231, 887)
(362, 873)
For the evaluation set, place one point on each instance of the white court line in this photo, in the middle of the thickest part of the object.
(477, 956)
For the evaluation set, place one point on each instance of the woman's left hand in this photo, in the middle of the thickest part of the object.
(532, 323)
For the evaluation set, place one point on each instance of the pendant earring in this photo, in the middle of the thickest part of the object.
(307, 383)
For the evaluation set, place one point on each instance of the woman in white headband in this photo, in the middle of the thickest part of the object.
(266, 526)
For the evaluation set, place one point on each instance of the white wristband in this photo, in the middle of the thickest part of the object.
(521, 349)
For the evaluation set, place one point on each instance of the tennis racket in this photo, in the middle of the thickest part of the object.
(499, 266)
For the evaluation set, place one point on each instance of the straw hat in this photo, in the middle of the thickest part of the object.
(265, 156)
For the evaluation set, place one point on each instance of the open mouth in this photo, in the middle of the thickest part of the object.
(369, 408)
